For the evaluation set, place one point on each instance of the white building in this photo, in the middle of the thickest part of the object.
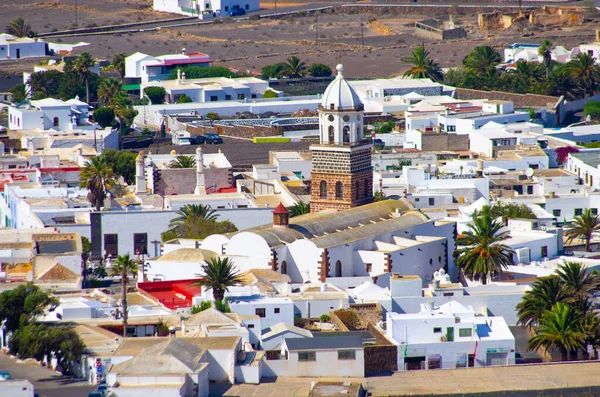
(270, 310)
(12, 47)
(273, 337)
(208, 9)
(501, 112)
(450, 336)
(211, 89)
(145, 68)
(48, 114)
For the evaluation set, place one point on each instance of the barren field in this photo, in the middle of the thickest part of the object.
(251, 44)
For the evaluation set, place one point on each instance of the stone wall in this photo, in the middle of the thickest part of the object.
(444, 142)
(357, 189)
(183, 181)
(379, 359)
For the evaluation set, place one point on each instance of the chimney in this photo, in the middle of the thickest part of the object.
(140, 174)
(183, 78)
(178, 76)
(183, 51)
(200, 184)
(281, 216)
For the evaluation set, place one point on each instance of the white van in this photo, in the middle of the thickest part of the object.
(181, 138)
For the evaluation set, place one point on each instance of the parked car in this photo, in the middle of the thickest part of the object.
(5, 375)
(519, 358)
(197, 140)
(236, 12)
(213, 139)
(97, 393)
(378, 143)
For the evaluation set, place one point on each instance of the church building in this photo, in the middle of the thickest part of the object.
(342, 176)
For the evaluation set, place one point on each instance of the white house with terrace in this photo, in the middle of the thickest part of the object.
(449, 336)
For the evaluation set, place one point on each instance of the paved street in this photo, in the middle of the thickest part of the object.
(47, 383)
(474, 380)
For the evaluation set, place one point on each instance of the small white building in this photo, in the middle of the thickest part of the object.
(271, 310)
(48, 114)
(339, 356)
(450, 336)
(272, 338)
(12, 47)
(145, 68)
(205, 9)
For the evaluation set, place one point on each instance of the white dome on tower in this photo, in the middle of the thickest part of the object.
(340, 95)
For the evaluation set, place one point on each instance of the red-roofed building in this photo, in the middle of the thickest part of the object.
(173, 294)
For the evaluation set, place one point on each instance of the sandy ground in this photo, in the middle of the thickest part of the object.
(250, 44)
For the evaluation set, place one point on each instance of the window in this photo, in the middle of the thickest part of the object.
(556, 213)
(140, 243)
(578, 211)
(338, 269)
(545, 251)
(346, 133)
(331, 131)
(339, 190)
(465, 332)
(262, 313)
(226, 8)
(346, 354)
(307, 356)
(208, 6)
(242, 96)
(228, 97)
(332, 106)
(276, 310)
(253, 96)
(357, 189)
(431, 201)
(284, 267)
(417, 199)
(247, 7)
(437, 330)
(323, 190)
(214, 98)
(250, 326)
(55, 122)
(111, 244)
(369, 267)
(331, 118)
(346, 118)
(594, 211)
(530, 189)
(448, 293)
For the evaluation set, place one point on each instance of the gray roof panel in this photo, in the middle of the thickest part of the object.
(324, 343)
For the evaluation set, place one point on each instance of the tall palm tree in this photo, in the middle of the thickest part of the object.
(19, 93)
(183, 161)
(83, 65)
(44, 83)
(122, 105)
(482, 255)
(559, 329)
(423, 66)
(585, 73)
(118, 64)
(578, 283)
(482, 60)
(532, 72)
(192, 213)
(545, 51)
(583, 227)
(545, 292)
(17, 27)
(300, 208)
(294, 67)
(218, 274)
(123, 267)
(97, 177)
(108, 91)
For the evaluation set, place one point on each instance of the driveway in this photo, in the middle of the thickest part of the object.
(47, 383)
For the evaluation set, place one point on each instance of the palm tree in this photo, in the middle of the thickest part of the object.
(191, 213)
(583, 227)
(122, 105)
(219, 274)
(19, 93)
(532, 72)
(545, 51)
(482, 59)
(300, 208)
(97, 177)
(118, 64)
(482, 254)
(183, 161)
(559, 329)
(585, 72)
(544, 293)
(561, 83)
(579, 284)
(44, 83)
(423, 66)
(294, 67)
(83, 65)
(123, 267)
(17, 27)
(108, 91)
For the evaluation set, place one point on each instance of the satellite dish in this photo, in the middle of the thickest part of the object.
(529, 172)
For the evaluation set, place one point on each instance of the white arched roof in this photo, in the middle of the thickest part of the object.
(340, 94)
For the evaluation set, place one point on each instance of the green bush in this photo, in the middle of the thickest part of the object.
(270, 94)
(213, 116)
(195, 72)
(272, 71)
(383, 127)
(270, 139)
(592, 109)
(104, 116)
(202, 307)
(184, 99)
(325, 318)
(155, 94)
(319, 70)
(349, 318)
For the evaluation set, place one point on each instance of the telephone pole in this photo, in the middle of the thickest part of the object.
(317, 26)
(362, 35)
(76, 22)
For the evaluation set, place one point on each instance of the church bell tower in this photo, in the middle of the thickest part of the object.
(342, 176)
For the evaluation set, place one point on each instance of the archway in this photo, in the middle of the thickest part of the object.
(338, 269)
(339, 190)
(323, 189)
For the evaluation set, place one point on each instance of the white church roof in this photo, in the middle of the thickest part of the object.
(340, 94)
